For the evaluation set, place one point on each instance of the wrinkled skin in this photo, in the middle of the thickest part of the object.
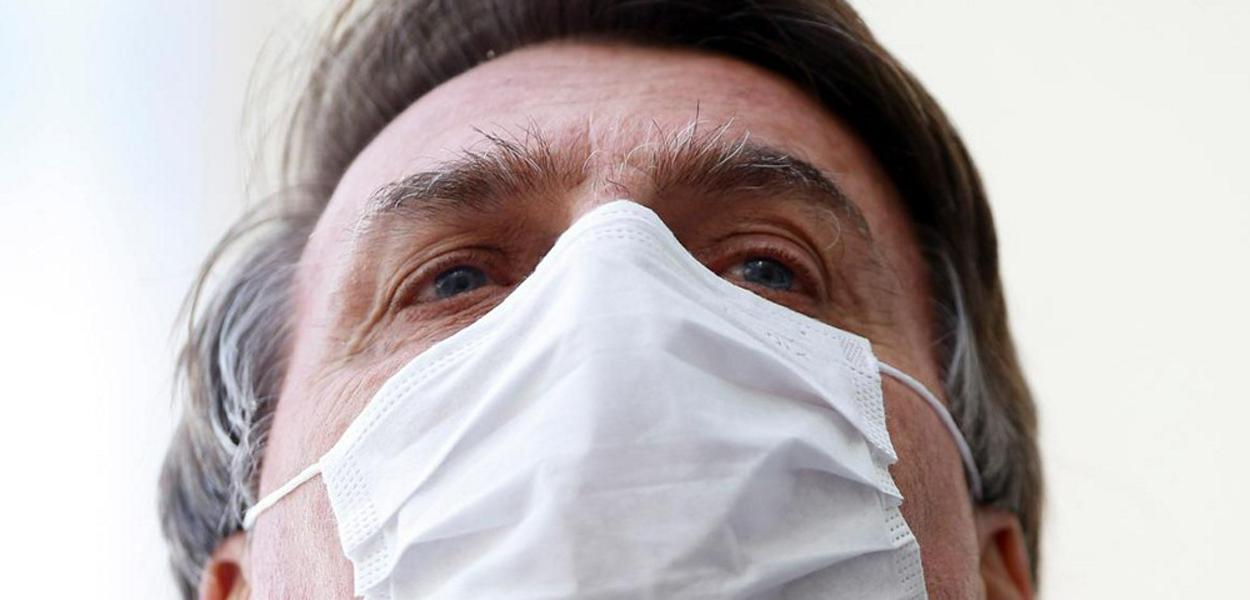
(609, 104)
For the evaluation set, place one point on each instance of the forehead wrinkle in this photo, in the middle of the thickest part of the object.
(694, 158)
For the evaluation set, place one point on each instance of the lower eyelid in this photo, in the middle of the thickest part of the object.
(809, 282)
(803, 274)
(492, 281)
(425, 275)
(458, 306)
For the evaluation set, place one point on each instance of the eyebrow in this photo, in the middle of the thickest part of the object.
(686, 162)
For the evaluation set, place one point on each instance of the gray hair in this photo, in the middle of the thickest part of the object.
(229, 372)
(378, 57)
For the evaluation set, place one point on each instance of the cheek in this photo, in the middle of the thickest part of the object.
(294, 551)
(935, 503)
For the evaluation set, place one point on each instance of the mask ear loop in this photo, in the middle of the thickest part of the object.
(970, 466)
(249, 517)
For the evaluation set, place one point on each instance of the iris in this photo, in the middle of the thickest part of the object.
(768, 273)
(458, 280)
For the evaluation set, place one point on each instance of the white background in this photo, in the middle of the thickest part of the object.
(1112, 136)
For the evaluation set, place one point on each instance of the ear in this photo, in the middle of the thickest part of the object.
(225, 574)
(1004, 559)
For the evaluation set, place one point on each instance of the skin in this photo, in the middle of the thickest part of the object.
(612, 100)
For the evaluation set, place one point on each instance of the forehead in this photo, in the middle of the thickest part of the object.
(614, 98)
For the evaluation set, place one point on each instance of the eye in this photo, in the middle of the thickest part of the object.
(774, 267)
(454, 280)
(458, 280)
(764, 271)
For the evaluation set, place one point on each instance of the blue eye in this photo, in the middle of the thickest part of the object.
(458, 280)
(768, 273)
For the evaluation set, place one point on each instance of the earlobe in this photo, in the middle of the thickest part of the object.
(225, 575)
(1004, 559)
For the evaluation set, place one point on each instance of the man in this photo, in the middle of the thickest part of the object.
(438, 154)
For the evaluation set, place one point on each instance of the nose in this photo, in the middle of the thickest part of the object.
(581, 204)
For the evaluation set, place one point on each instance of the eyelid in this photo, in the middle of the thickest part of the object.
(808, 276)
(422, 278)
(726, 252)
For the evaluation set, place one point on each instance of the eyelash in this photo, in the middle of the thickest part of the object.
(809, 282)
(483, 258)
(487, 260)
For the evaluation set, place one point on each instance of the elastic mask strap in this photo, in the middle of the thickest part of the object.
(970, 466)
(249, 517)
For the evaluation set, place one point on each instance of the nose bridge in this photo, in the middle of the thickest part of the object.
(614, 250)
(598, 254)
(609, 182)
(620, 163)
(583, 202)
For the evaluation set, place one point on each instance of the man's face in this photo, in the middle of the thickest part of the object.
(504, 158)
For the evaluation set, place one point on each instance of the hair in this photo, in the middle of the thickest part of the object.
(377, 57)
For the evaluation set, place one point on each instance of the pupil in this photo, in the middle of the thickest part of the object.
(768, 273)
(458, 280)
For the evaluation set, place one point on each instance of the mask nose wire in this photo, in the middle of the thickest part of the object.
(249, 517)
(970, 465)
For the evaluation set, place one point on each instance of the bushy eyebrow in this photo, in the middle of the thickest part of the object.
(480, 179)
(510, 169)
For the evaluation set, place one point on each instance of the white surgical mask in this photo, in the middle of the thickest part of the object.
(627, 424)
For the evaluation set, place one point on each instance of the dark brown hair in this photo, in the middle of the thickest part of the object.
(376, 58)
